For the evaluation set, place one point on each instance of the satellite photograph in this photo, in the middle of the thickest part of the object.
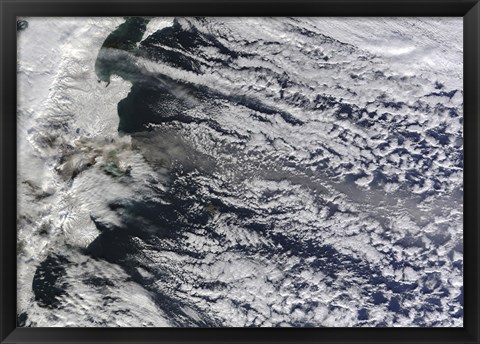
(240, 172)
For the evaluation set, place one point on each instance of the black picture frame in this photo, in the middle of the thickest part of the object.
(9, 10)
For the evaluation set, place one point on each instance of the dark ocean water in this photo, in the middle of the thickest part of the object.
(284, 216)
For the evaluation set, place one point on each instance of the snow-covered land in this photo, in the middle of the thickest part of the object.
(240, 172)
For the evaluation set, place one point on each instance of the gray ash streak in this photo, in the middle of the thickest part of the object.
(282, 217)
